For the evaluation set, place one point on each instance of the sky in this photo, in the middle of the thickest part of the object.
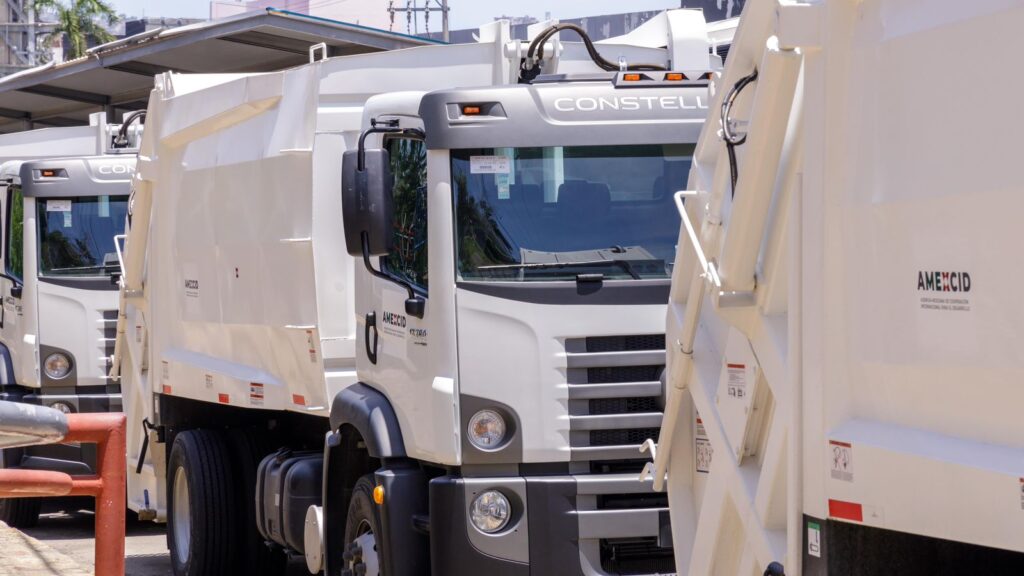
(464, 13)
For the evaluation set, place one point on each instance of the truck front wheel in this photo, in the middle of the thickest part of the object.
(202, 528)
(20, 512)
(362, 549)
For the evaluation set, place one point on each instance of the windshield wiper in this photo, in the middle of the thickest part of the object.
(84, 268)
(623, 264)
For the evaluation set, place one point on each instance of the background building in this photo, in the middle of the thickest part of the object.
(601, 27)
(372, 13)
(18, 31)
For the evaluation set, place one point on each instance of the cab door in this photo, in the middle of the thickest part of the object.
(11, 321)
(398, 352)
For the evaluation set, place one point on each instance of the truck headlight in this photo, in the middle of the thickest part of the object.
(57, 365)
(487, 430)
(490, 512)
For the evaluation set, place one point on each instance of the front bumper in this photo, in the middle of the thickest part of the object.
(583, 525)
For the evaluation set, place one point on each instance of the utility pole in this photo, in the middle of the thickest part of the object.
(411, 9)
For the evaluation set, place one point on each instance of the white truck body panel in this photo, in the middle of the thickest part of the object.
(863, 307)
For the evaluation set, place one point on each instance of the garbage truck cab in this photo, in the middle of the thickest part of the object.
(513, 307)
(58, 283)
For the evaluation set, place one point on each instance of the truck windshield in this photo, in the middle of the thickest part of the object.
(76, 235)
(544, 214)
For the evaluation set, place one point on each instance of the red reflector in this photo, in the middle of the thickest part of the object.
(223, 398)
(298, 399)
(167, 389)
(845, 510)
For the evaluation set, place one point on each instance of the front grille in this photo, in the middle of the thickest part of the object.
(616, 400)
(636, 556)
(632, 501)
(625, 343)
(624, 405)
(617, 374)
(620, 437)
(108, 337)
(615, 394)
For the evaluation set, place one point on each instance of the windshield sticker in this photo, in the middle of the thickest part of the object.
(490, 165)
(67, 219)
(58, 205)
(103, 207)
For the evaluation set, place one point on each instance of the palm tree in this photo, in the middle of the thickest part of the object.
(78, 21)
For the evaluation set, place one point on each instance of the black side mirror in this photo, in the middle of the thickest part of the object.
(366, 202)
(16, 290)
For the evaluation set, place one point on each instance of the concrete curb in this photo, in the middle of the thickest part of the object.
(22, 555)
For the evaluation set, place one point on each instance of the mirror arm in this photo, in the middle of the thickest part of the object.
(389, 277)
(389, 127)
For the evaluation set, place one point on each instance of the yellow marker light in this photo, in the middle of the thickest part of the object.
(708, 76)
(675, 76)
(49, 173)
(378, 495)
(631, 77)
(470, 110)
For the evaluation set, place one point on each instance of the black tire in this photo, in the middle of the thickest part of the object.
(362, 514)
(20, 512)
(213, 545)
(258, 559)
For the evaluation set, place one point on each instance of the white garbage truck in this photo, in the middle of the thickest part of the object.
(842, 328)
(451, 374)
(63, 198)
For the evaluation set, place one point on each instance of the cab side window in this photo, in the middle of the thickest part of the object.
(409, 167)
(15, 237)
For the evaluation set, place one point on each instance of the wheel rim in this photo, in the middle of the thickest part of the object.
(181, 516)
(368, 544)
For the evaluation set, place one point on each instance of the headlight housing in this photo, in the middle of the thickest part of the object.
(57, 365)
(490, 512)
(487, 430)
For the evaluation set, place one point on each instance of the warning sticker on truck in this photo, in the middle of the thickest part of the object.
(702, 446)
(841, 457)
(58, 206)
(256, 394)
(490, 165)
(814, 539)
(737, 380)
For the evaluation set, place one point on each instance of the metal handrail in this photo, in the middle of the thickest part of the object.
(26, 425)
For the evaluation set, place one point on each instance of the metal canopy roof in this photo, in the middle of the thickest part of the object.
(119, 75)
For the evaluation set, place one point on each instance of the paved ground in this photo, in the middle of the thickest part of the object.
(22, 555)
(67, 527)
(63, 543)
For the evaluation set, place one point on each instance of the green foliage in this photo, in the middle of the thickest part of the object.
(409, 167)
(16, 240)
(481, 242)
(77, 21)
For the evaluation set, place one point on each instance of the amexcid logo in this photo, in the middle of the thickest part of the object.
(943, 281)
(392, 319)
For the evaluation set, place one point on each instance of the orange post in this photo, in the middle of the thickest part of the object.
(107, 431)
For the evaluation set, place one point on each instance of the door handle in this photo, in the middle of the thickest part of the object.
(371, 322)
